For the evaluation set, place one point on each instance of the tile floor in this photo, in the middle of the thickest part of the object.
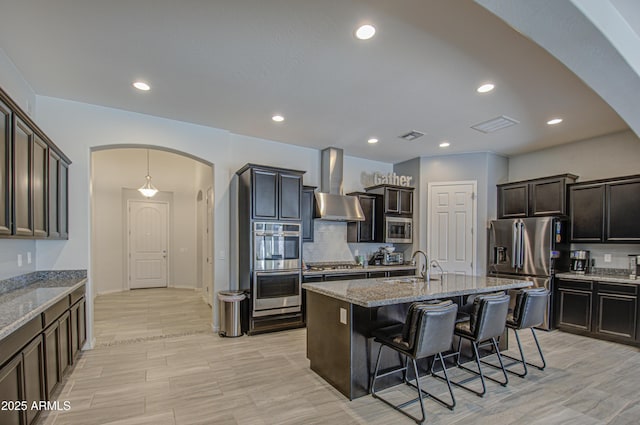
(157, 362)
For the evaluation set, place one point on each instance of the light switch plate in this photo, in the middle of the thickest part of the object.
(343, 315)
(607, 258)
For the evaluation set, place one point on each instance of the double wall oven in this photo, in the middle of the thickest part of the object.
(276, 268)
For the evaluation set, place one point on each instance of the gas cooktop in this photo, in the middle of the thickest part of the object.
(332, 266)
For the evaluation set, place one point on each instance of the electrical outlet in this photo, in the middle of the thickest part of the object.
(28, 257)
(343, 316)
(607, 258)
(19, 260)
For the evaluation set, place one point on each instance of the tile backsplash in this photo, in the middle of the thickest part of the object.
(619, 254)
(330, 244)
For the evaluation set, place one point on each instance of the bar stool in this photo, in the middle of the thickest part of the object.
(427, 331)
(531, 304)
(487, 320)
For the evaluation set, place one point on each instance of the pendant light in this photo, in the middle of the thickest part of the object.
(147, 189)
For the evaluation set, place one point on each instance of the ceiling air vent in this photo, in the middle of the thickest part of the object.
(495, 124)
(411, 136)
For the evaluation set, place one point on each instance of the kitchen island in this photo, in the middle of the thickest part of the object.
(342, 314)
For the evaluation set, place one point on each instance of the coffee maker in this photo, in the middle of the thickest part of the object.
(580, 261)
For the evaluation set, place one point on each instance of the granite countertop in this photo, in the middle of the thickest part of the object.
(359, 269)
(33, 295)
(398, 290)
(600, 277)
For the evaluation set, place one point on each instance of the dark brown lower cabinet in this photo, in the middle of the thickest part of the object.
(34, 377)
(12, 390)
(22, 382)
(617, 307)
(575, 308)
(78, 333)
(601, 309)
(34, 360)
(57, 349)
(52, 356)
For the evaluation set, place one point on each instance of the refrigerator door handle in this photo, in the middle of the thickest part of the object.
(521, 247)
(515, 243)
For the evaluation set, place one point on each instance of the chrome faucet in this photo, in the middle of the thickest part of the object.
(425, 271)
(436, 265)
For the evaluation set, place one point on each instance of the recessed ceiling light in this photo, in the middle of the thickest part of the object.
(485, 88)
(277, 118)
(365, 32)
(444, 144)
(372, 141)
(141, 85)
(554, 121)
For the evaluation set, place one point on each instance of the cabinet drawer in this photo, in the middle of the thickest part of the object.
(55, 311)
(77, 294)
(19, 338)
(580, 285)
(618, 288)
(346, 276)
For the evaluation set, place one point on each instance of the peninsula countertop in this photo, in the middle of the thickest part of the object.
(397, 290)
(30, 298)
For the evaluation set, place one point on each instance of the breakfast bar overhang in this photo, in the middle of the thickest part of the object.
(342, 314)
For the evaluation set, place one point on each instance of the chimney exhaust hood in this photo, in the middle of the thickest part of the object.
(331, 203)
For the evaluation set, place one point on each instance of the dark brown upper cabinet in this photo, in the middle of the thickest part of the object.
(275, 193)
(23, 179)
(58, 198)
(398, 200)
(587, 209)
(534, 198)
(605, 210)
(623, 206)
(371, 229)
(40, 189)
(308, 209)
(5, 169)
(34, 178)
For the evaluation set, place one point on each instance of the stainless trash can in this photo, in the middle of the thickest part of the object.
(229, 306)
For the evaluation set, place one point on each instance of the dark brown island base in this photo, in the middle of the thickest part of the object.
(341, 316)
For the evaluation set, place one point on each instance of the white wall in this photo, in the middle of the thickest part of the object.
(611, 155)
(16, 86)
(9, 251)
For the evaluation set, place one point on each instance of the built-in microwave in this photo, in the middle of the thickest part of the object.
(398, 229)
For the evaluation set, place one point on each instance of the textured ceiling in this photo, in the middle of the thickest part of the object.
(233, 64)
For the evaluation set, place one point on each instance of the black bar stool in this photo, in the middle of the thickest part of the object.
(427, 331)
(531, 304)
(487, 320)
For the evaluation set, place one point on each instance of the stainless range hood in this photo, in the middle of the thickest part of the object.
(331, 203)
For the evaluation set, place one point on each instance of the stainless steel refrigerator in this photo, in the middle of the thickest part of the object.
(530, 248)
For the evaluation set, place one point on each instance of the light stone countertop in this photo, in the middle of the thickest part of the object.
(22, 304)
(599, 278)
(359, 269)
(398, 290)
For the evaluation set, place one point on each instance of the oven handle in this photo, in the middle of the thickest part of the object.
(282, 273)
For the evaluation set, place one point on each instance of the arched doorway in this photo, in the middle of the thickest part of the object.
(116, 174)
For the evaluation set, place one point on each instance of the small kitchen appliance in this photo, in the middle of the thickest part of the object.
(580, 261)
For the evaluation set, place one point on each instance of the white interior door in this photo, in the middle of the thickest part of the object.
(148, 244)
(451, 221)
